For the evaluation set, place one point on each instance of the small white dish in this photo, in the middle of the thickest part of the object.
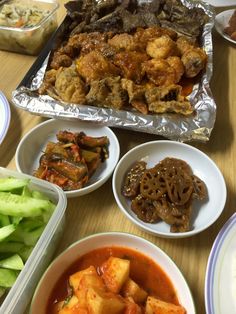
(220, 282)
(5, 116)
(34, 142)
(204, 214)
(110, 239)
(221, 21)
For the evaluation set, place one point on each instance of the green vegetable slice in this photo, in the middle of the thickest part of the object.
(13, 262)
(22, 206)
(11, 247)
(9, 184)
(6, 231)
(4, 220)
(7, 277)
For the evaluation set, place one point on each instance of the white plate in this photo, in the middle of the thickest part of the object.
(221, 3)
(34, 142)
(5, 116)
(220, 283)
(221, 21)
(204, 213)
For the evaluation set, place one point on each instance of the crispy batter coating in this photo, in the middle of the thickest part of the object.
(177, 65)
(184, 43)
(69, 86)
(107, 93)
(124, 42)
(167, 99)
(162, 47)
(130, 63)
(159, 72)
(194, 60)
(94, 66)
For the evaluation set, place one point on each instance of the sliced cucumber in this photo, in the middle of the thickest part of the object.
(9, 184)
(22, 206)
(6, 231)
(13, 262)
(4, 220)
(7, 277)
(11, 247)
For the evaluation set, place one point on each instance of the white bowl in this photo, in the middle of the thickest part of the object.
(72, 254)
(204, 213)
(34, 142)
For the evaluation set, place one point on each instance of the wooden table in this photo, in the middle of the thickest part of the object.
(98, 212)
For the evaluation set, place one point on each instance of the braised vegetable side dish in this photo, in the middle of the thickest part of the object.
(114, 280)
(127, 57)
(164, 192)
(24, 213)
(71, 161)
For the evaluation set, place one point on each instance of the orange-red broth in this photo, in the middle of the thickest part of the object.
(143, 271)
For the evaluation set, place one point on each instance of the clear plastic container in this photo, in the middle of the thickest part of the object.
(19, 296)
(27, 38)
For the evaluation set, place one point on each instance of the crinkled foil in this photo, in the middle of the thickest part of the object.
(172, 126)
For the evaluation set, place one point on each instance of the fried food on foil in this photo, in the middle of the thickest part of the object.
(139, 71)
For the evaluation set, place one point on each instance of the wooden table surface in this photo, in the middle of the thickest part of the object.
(98, 212)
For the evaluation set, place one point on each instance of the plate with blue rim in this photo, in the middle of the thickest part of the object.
(220, 282)
(5, 116)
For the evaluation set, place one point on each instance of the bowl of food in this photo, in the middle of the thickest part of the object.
(32, 216)
(108, 272)
(169, 189)
(26, 25)
(76, 155)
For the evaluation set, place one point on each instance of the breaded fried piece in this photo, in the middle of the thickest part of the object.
(162, 47)
(136, 95)
(194, 61)
(184, 43)
(159, 72)
(130, 63)
(107, 93)
(69, 86)
(167, 99)
(48, 81)
(123, 42)
(177, 65)
(95, 66)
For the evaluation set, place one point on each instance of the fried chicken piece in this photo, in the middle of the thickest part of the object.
(124, 42)
(130, 63)
(94, 66)
(177, 65)
(107, 93)
(93, 41)
(194, 61)
(48, 81)
(162, 47)
(159, 72)
(184, 43)
(69, 86)
(144, 35)
(167, 99)
(136, 95)
(60, 59)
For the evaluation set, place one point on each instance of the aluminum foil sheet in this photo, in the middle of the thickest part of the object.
(172, 126)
